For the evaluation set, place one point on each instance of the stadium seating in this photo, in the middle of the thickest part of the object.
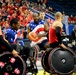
(68, 6)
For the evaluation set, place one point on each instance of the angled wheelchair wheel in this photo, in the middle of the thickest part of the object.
(10, 65)
(62, 61)
(44, 61)
(34, 52)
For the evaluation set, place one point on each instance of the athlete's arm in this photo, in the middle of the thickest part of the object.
(73, 35)
(28, 29)
(46, 28)
(6, 45)
(58, 29)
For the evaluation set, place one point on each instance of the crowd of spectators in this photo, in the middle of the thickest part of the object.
(41, 6)
(12, 9)
(72, 19)
(20, 8)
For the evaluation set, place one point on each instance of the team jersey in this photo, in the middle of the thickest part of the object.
(38, 28)
(11, 35)
(32, 25)
(52, 34)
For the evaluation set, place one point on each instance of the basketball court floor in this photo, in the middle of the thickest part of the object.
(40, 69)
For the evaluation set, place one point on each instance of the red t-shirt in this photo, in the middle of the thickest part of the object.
(52, 35)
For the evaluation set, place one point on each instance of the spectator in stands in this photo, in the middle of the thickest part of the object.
(36, 26)
(71, 19)
(40, 2)
(63, 13)
(51, 9)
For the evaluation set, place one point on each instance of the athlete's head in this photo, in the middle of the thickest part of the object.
(36, 17)
(14, 23)
(42, 15)
(58, 16)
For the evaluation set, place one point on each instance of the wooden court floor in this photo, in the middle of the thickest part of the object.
(41, 72)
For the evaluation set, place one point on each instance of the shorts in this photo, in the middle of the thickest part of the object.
(55, 44)
(42, 44)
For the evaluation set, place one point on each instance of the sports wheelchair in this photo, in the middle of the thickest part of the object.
(10, 65)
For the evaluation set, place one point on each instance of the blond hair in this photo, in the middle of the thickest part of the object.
(58, 15)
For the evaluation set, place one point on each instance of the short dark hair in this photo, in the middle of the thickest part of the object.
(13, 21)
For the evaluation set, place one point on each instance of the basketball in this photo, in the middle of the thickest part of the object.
(32, 36)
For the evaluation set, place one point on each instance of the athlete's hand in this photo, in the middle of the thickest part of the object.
(6, 40)
(63, 46)
(39, 35)
(42, 35)
(73, 42)
(15, 53)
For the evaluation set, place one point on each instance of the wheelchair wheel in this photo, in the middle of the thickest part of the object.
(31, 67)
(10, 65)
(34, 52)
(62, 61)
(44, 61)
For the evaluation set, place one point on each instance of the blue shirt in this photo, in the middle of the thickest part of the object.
(32, 25)
(10, 35)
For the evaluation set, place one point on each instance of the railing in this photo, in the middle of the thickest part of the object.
(47, 15)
